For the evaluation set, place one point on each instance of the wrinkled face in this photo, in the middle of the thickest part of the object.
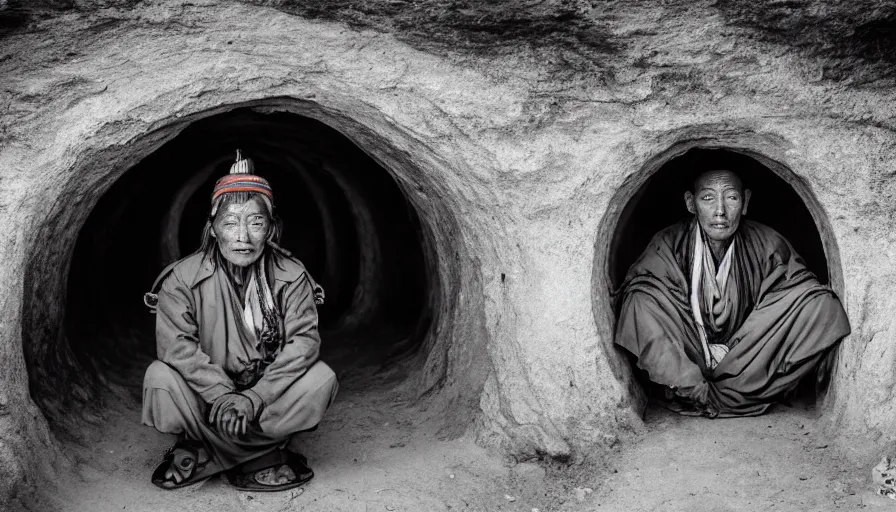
(241, 230)
(719, 201)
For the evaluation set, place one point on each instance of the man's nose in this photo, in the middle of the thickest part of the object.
(720, 208)
(242, 234)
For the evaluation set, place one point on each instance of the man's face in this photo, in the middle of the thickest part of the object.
(241, 230)
(719, 201)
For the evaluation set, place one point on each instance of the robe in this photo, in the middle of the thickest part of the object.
(206, 349)
(779, 321)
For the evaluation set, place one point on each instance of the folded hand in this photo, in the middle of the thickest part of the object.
(231, 413)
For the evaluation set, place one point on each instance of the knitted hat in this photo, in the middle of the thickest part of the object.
(241, 179)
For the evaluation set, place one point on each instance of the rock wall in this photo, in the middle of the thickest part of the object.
(518, 157)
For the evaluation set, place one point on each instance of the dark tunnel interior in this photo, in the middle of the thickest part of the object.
(660, 203)
(344, 217)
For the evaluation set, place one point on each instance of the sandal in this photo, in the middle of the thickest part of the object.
(689, 402)
(182, 458)
(685, 408)
(246, 476)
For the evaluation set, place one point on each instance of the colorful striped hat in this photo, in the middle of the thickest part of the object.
(241, 179)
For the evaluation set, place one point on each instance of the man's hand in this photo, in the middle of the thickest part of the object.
(231, 413)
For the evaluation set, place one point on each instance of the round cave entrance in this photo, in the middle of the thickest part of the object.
(344, 217)
(659, 202)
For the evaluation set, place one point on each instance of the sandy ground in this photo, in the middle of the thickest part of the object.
(374, 453)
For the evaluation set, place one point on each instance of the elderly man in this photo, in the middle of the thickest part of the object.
(237, 342)
(721, 311)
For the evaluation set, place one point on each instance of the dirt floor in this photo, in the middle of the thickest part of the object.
(373, 453)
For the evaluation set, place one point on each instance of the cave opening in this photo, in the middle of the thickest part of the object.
(659, 202)
(344, 216)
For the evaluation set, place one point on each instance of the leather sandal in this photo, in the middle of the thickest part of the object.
(245, 476)
(182, 458)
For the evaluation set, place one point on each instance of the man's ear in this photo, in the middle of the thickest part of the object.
(689, 202)
(747, 194)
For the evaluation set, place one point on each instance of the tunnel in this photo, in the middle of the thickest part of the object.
(343, 215)
(659, 202)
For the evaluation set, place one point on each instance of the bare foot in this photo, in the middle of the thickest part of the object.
(280, 475)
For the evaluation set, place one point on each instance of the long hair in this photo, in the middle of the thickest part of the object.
(209, 243)
(271, 335)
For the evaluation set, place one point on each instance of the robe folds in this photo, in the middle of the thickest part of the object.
(206, 349)
(780, 321)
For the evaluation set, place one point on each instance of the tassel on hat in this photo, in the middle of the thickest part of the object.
(242, 165)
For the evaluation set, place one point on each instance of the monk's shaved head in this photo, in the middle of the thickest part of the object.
(717, 175)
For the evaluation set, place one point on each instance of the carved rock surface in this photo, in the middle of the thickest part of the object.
(517, 134)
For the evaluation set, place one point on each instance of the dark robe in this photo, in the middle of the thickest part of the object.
(782, 321)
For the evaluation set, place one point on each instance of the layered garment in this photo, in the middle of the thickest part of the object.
(213, 337)
(748, 329)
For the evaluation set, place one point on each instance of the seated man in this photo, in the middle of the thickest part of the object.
(721, 311)
(236, 336)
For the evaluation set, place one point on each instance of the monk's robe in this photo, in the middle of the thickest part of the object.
(763, 307)
(208, 345)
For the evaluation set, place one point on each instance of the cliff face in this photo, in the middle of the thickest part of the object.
(517, 133)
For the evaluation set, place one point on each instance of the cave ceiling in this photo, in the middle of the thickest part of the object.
(856, 39)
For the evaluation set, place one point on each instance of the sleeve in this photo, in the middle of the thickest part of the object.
(783, 269)
(301, 346)
(177, 342)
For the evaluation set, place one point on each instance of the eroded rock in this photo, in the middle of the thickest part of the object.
(517, 157)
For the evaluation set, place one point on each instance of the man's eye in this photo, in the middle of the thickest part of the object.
(706, 198)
